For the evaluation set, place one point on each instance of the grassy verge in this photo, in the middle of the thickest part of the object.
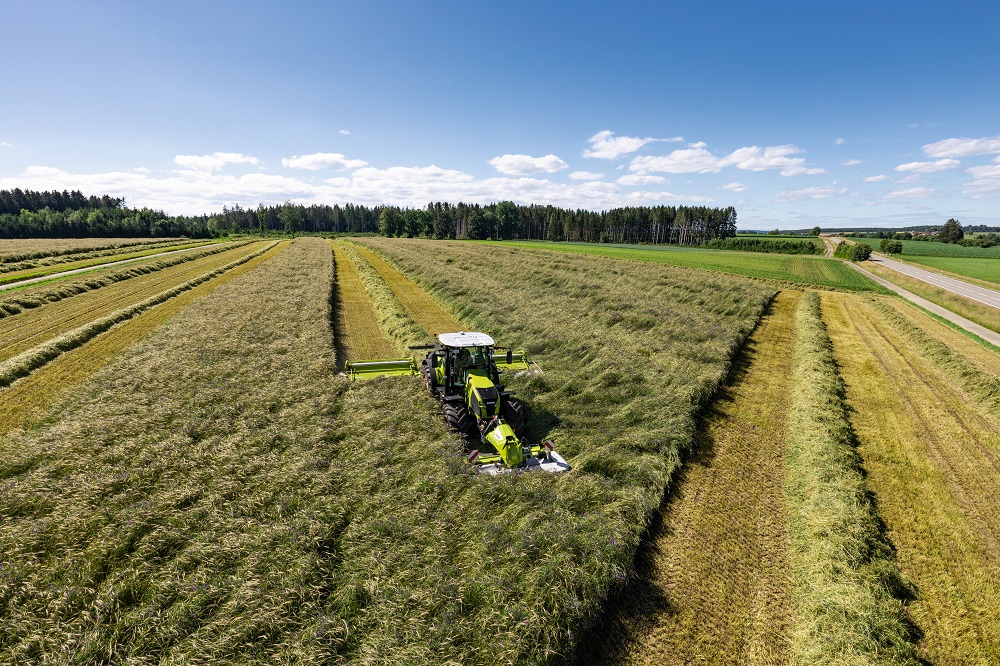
(39, 294)
(982, 314)
(845, 578)
(21, 365)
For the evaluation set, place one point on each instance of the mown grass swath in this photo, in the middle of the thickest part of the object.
(931, 455)
(356, 330)
(847, 587)
(18, 300)
(54, 249)
(800, 270)
(22, 364)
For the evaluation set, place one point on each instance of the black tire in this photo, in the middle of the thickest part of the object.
(513, 413)
(459, 420)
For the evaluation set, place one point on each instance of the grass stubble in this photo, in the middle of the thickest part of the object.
(930, 441)
(357, 333)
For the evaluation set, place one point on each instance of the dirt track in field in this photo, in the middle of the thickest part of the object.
(422, 308)
(933, 460)
(30, 396)
(714, 580)
(356, 334)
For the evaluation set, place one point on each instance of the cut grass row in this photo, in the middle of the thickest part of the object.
(28, 398)
(786, 269)
(33, 296)
(95, 262)
(980, 313)
(931, 448)
(30, 328)
(356, 331)
(16, 367)
(55, 249)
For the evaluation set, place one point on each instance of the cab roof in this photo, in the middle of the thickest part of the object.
(465, 339)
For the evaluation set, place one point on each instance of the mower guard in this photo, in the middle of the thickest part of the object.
(394, 367)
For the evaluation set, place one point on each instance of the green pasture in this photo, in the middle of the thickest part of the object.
(978, 268)
(933, 249)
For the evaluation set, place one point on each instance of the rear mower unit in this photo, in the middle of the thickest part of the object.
(462, 371)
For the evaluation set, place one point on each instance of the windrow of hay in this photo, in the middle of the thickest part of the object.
(356, 331)
(21, 365)
(45, 293)
(29, 397)
(17, 275)
(55, 250)
(393, 319)
(847, 586)
(982, 314)
(932, 456)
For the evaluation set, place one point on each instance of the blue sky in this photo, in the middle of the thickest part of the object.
(797, 113)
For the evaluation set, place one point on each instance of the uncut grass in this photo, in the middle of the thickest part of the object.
(714, 581)
(630, 351)
(931, 453)
(29, 328)
(28, 398)
(931, 249)
(802, 270)
(982, 314)
(54, 250)
(19, 299)
(356, 330)
(848, 591)
(100, 258)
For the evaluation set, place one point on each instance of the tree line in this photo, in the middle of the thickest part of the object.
(12, 202)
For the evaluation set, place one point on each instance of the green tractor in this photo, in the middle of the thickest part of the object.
(463, 373)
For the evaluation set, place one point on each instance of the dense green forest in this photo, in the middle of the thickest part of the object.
(71, 214)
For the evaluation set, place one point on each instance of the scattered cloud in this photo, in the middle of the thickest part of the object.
(697, 159)
(877, 179)
(821, 192)
(345, 132)
(4, 144)
(586, 175)
(607, 146)
(963, 147)
(525, 165)
(213, 162)
(985, 180)
(734, 187)
(839, 142)
(913, 193)
(317, 161)
(929, 167)
(851, 162)
(637, 179)
(141, 170)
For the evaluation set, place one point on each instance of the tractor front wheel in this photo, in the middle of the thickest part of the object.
(513, 413)
(459, 419)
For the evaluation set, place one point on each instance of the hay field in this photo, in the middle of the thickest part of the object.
(357, 333)
(14, 250)
(930, 440)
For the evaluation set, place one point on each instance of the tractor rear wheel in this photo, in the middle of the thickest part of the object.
(513, 413)
(458, 419)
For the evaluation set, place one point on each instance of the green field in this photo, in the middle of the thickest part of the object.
(815, 240)
(799, 269)
(932, 249)
(980, 269)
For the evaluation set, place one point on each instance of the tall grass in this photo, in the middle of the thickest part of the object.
(55, 250)
(847, 586)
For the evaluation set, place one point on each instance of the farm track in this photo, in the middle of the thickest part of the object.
(714, 576)
(933, 460)
(37, 274)
(32, 327)
(424, 310)
(28, 397)
(356, 331)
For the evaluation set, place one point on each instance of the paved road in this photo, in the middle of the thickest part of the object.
(972, 291)
(53, 276)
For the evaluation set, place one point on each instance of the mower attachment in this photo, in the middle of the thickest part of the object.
(396, 367)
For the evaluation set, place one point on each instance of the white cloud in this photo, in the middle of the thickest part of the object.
(637, 179)
(913, 193)
(345, 132)
(317, 161)
(755, 158)
(876, 179)
(4, 144)
(213, 162)
(822, 192)
(963, 147)
(734, 187)
(839, 142)
(851, 162)
(985, 179)
(586, 175)
(697, 159)
(607, 146)
(929, 167)
(525, 165)
(694, 159)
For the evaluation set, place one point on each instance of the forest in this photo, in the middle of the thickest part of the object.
(30, 214)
